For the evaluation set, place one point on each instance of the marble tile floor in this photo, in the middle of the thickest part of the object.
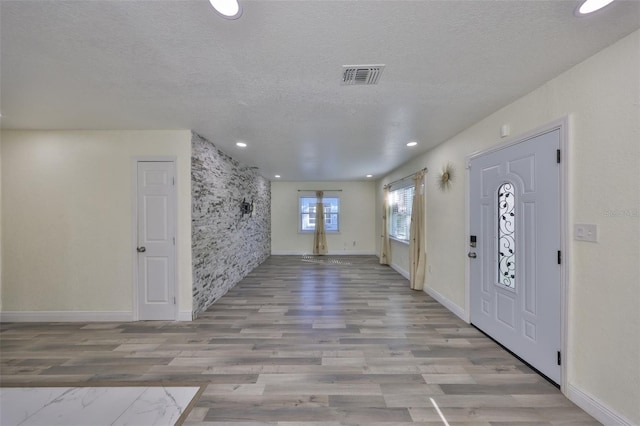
(84, 406)
(299, 343)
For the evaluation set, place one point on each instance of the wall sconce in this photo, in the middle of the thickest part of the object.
(246, 208)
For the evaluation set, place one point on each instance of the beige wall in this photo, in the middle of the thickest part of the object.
(601, 96)
(67, 217)
(357, 218)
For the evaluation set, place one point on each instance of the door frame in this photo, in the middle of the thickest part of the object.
(562, 125)
(134, 230)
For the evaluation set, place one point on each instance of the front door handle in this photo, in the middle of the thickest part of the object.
(141, 249)
(472, 255)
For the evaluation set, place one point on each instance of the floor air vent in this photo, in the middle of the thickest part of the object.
(339, 260)
(361, 74)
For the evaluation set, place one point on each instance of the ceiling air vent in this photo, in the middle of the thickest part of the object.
(361, 74)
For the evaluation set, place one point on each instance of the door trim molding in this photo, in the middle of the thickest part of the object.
(563, 125)
(134, 230)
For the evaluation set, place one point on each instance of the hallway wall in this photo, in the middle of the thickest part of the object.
(226, 244)
(67, 221)
(601, 97)
(357, 218)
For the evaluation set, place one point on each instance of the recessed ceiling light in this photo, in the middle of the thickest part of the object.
(229, 9)
(241, 144)
(590, 6)
(277, 176)
(412, 144)
(369, 176)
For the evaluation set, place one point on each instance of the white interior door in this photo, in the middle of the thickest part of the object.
(156, 206)
(515, 274)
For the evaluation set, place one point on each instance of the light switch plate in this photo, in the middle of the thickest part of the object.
(585, 232)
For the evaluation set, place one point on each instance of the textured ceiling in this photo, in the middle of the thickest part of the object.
(272, 77)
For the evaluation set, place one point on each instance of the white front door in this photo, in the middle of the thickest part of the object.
(515, 274)
(156, 206)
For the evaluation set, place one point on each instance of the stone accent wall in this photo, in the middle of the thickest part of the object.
(226, 246)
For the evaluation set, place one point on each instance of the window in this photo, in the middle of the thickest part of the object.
(506, 236)
(400, 202)
(308, 206)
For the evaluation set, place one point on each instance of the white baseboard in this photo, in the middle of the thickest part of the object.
(331, 253)
(455, 309)
(185, 316)
(596, 408)
(77, 316)
(400, 270)
(66, 316)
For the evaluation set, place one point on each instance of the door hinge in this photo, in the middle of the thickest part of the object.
(174, 241)
(559, 257)
(173, 180)
(174, 302)
(558, 156)
(559, 358)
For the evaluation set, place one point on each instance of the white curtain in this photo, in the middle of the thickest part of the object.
(385, 249)
(417, 255)
(319, 236)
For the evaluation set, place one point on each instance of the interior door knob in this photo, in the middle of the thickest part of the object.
(141, 249)
(472, 255)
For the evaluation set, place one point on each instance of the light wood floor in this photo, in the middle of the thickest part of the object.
(303, 342)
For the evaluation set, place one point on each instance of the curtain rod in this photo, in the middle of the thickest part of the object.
(315, 190)
(405, 178)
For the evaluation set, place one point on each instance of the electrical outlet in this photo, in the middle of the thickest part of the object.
(585, 232)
